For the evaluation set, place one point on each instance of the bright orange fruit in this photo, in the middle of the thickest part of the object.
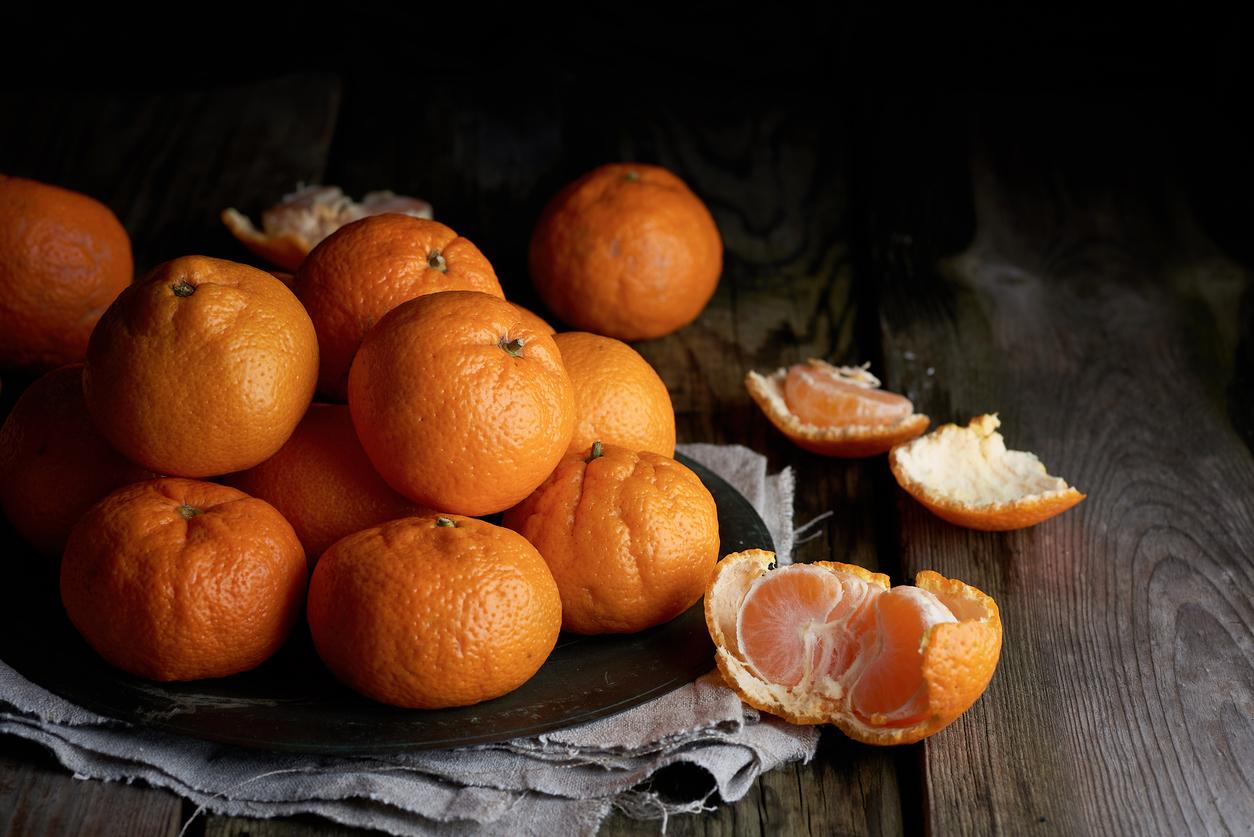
(835, 410)
(965, 475)
(834, 643)
(323, 483)
(429, 612)
(55, 465)
(365, 269)
(175, 579)
(204, 367)
(631, 537)
(460, 405)
(619, 398)
(626, 251)
(63, 258)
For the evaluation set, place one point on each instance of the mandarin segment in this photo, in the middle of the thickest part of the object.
(435, 611)
(64, 257)
(627, 251)
(459, 405)
(834, 410)
(965, 475)
(175, 579)
(204, 367)
(365, 269)
(886, 665)
(631, 537)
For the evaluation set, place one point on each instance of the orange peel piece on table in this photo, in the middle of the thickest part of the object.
(843, 440)
(833, 643)
(965, 475)
(300, 220)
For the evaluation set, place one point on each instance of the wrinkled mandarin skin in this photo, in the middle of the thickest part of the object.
(323, 483)
(631, 538)
(422, 615)
(204, 367)
(626, 251)
(55, 465)
(619, 398)
(459, 403)
(175, 579)
(64, 257)
(826, 401)
(365, 269)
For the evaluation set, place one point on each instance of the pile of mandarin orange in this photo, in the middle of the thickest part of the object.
(215, 451)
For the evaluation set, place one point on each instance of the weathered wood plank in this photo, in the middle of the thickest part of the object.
(1123, 700)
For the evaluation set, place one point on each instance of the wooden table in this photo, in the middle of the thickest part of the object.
(1075, 261)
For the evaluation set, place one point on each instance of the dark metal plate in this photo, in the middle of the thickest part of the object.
(292, 703)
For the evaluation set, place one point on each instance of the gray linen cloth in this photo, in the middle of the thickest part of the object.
(564, 782)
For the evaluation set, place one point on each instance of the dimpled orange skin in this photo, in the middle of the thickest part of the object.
(420, 615)
(619, 398)
(204, 367)
(322, 482)
(168, 593)
(55, 464)
(631, 538)
(367, 268)
(63, 258)
(626, 251)
(448, 416)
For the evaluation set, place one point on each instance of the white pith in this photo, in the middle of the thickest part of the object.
(971, 467)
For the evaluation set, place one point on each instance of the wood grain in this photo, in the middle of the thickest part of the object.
(1124, 696)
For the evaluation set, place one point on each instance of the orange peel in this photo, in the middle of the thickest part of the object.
(944, 659)
(295, 225)
(965, 475)
(846, 440)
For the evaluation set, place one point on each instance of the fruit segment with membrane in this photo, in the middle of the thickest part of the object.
(818, 396)
(967, 476)
(831, 642)
(835, 410)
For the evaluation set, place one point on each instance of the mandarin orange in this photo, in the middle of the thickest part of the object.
(175, 579)
(63, 258)
(459, 404)
(627, 251)
(298, 222)
(834, 643)
(204, 367)
(367, 268)
(322, 482)
(631, 537)
(430, 612)
(619, 398)
(55, 465)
